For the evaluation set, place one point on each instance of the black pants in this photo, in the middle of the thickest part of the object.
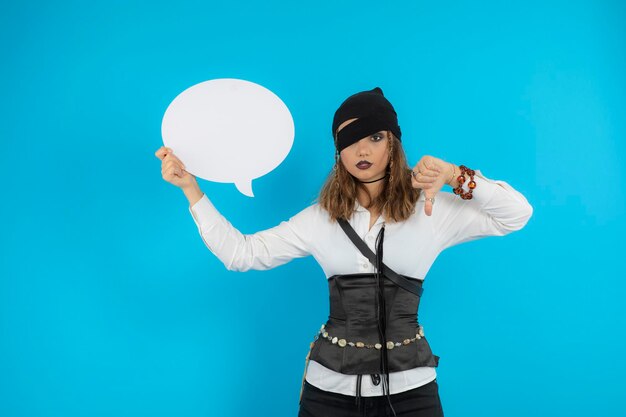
(422, 401)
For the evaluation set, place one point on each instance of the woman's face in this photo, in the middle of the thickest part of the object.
(366, 159)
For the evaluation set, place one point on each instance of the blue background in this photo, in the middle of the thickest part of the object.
(111, 305)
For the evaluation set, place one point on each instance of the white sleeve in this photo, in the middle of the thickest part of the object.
(495, 209)
(262, 250)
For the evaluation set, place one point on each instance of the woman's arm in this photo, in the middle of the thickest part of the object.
(262, 250)
(193, 193)
(495, 209)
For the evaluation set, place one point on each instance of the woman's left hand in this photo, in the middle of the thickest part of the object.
(430, 174)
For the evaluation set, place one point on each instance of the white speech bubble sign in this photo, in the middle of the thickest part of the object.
(228, 130)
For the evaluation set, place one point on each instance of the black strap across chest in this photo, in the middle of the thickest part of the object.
(397, 279)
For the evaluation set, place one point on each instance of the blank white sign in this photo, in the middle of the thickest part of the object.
(228, 130)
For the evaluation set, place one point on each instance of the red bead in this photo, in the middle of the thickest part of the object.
(472, 184)
(461, 179)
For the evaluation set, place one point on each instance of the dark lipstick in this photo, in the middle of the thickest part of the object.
(363, 165)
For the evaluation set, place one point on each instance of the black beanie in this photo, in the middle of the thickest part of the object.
(374, 113)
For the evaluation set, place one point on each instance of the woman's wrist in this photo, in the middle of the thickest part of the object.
(453, 175)
(193, 193)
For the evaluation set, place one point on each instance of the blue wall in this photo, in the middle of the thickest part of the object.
(110, 304)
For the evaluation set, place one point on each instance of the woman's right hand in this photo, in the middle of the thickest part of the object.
(173, 170)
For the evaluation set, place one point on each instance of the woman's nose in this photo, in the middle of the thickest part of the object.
(362, 148)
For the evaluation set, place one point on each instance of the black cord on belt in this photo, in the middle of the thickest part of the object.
(358, 391)
(381, 312)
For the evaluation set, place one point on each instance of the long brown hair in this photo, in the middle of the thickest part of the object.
(396, 200)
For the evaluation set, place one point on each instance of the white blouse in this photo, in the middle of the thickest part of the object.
(411, 247)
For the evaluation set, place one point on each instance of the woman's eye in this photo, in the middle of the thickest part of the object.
(377, 137)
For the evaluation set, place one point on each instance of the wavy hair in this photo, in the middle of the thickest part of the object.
(396, 201)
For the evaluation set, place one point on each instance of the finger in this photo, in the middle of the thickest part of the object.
(168, 165)
(430, 172)
(428, 204)
(423, 185)
(424, 177)
(168, 175)
(175, 158)
(431, 163)
(172, 157)
(428, 208)
(419, 184)
(175, 172)
(416, 172)
(433, 172)
(426, 170)
(167, 160)
(431, 166)
(162, 152)
(424, 182)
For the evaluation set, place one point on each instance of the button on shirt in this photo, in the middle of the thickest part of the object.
(411, 247)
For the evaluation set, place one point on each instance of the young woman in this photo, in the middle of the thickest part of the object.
(375, 231)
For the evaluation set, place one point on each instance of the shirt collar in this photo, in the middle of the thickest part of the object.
(358, 206)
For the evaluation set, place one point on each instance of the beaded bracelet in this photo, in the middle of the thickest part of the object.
(461, 179)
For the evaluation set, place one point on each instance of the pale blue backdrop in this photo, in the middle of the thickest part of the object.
(111, 305)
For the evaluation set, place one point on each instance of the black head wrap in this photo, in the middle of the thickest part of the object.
(374, 113)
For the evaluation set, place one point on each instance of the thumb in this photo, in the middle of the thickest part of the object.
(428, 204)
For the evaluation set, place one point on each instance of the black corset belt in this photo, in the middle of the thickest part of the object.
(354, 317)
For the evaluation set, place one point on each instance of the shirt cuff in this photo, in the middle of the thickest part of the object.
(204, 212)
